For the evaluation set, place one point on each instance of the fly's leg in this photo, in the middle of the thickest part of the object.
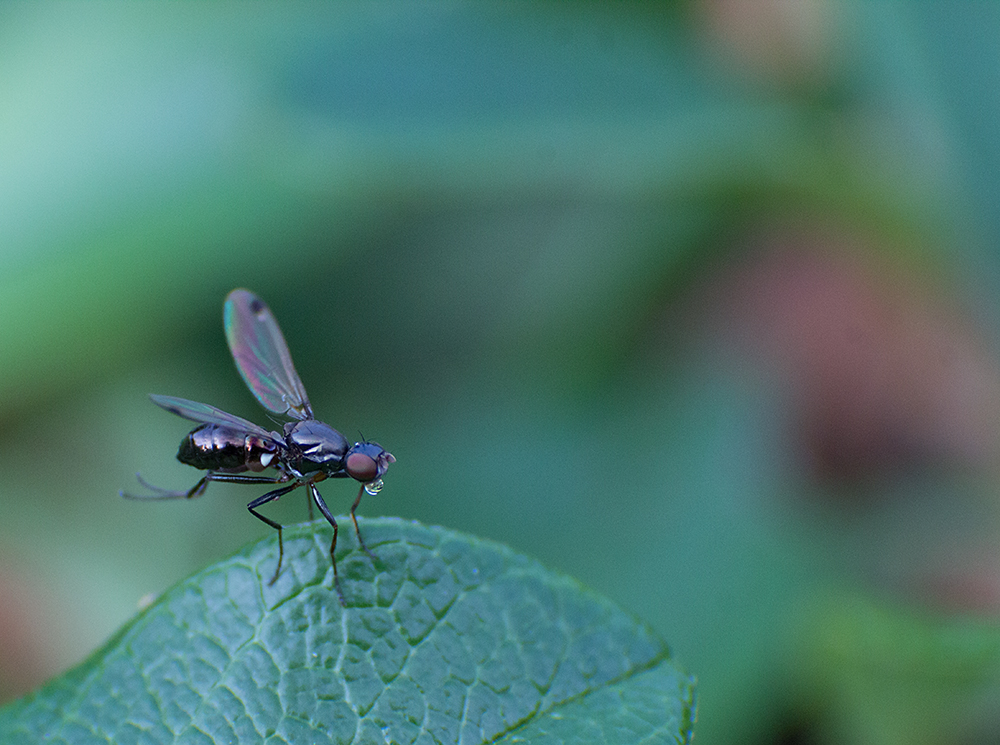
(229, 478)
(270, 497)
(318, 499)
(355, 520)
(239, 478)
(198, 489)
(158, 493)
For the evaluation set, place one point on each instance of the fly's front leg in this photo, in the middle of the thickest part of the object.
(270, 497)
(357, 532)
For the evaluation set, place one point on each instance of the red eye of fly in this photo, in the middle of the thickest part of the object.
(361, 467)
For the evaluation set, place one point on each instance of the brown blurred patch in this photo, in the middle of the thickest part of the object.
(788, 42)
(24, 631)
(883, 373)
(971, 587)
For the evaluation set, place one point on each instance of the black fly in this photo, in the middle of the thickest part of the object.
(304, 453)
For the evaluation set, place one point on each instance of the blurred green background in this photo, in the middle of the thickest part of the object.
(695, 301)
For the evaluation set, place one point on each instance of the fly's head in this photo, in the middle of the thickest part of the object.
(367, 462)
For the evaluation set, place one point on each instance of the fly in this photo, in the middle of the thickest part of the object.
(305, 451)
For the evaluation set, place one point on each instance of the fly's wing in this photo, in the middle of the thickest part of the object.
(206, 414)
(262, 356)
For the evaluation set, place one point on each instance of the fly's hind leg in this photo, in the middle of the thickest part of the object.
(198, 489)
(158, 493)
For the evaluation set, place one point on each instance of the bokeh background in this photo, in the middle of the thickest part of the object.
(695, 301)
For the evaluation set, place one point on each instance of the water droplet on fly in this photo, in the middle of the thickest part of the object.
(374, 487)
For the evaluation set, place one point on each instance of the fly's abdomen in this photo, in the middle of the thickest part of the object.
(215, 448)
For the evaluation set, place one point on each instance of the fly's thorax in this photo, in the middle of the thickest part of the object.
(315, 446)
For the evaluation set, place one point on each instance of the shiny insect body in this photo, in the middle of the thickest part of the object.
(305, 451)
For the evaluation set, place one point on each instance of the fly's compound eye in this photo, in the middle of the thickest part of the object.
(361, 467)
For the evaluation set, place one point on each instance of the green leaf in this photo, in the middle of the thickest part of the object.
(447, 638)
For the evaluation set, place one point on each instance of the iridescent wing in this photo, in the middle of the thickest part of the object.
(262, 356)
(206, 414)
